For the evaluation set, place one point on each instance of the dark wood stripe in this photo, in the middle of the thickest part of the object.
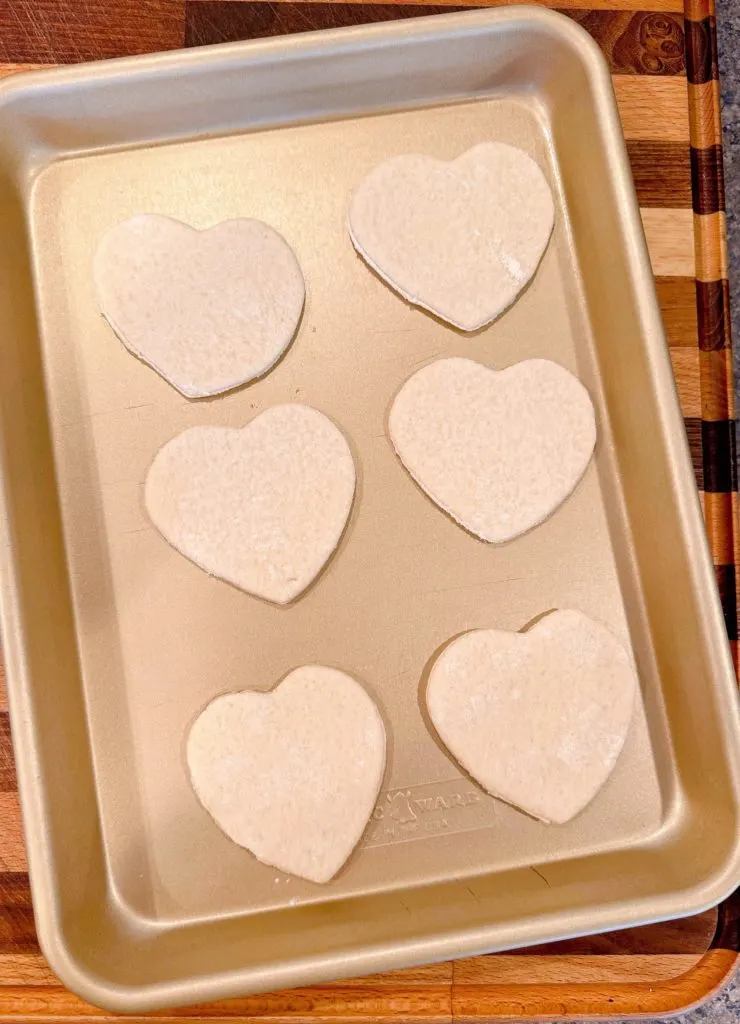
(677, 298)
(15, 890)
(693, 432)
(637, 42)
(662, 172)
(7, 767)
(17, 930)
(713, 314)
(68, 31)
(219, 21)
(727, 584)
(701, 51)
(707, 179)
(727, 935)
(718, 445)
(687, 934)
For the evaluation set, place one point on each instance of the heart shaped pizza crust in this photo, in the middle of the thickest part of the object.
(293, 775)
(459, 238)
(263, 507)
(208, 310)
(498, 450)
(538, 718)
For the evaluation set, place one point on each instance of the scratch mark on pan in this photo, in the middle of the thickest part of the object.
(540, 875)
(468, 586)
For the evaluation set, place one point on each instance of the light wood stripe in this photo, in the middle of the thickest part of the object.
(578, 969)
(654, 109)
(547, 1002)
(685, 363)
(461, 1002)
(12, 69)
(339, 1004)
(703, 111)
(670, 239)
(720, 510)
(3, 691)
(12, 849)
(698, 10)
(677, 298)
(710, 232)
(25, 969)
(715, 377)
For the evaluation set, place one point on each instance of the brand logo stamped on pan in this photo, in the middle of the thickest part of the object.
(418, 812)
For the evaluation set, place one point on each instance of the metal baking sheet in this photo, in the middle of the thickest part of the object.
(114, 641)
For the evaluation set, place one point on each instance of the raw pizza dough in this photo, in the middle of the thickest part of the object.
(497, 450)
(263, 507)
(538, 718)
(459, 238)
(208, 310)
(293, 775)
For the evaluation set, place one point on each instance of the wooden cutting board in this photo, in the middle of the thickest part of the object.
(664, 63)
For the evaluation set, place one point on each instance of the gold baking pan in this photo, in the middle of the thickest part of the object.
(114, 641)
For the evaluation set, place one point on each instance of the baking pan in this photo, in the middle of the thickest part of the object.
(114, 641)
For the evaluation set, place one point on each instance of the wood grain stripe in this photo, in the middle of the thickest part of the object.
(67, 31)
(707, 179)
(727, 585)
(692, 426)
(14, 69)
(718, 444)
(720, 510)
(697, 10)
(339, 1003)
(701, 51)
(346, 1002)
(703, 113)
(12, 848)
(505, 969)
(653, 107)
(710, 239)
(28, 968)
(712, 312)
(219, 21)
(662, 173)
(7, 768)
(714, 374)
(677, 299)
(685, 362)
(611, 1001)
(670, 239)
(17, 931)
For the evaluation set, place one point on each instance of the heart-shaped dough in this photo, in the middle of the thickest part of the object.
(460, 239)
(293, 774)
(262, 507)
(208, 310)
(498, 450)
(538, 718)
